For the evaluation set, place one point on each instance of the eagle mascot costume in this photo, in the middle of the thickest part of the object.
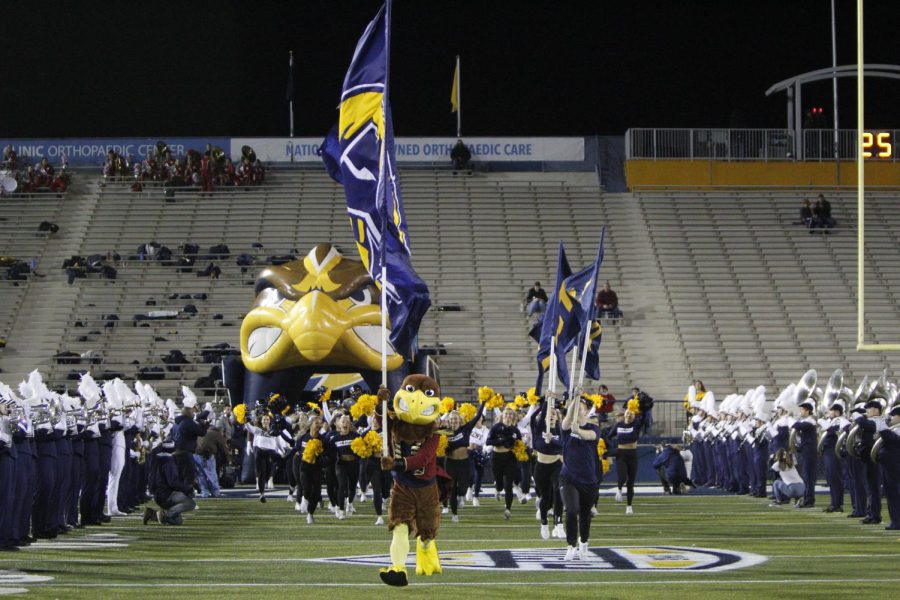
(415, 498)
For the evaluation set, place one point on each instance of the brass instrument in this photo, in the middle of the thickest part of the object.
(880, 442)
(218, 156)
(248, 153)
(831, 395)
(851, 441)
(792, 441)
(841, 444)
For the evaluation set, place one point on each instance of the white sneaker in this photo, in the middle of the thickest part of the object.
(297, 507)
(529, 497)
(362, 496)
(331, 508)
(559, 531)
(583, 552)
(550, 511)
(304, 505)
(507, 514)
(455, 518)
(445, 510)
(593, 511)
(537, 514)
(545, 532)
(460, 502)
(618, 495)
(339, 514)
(310, 520)
(628, 510)
(270, 485)
(290, 497)
(570, 553)
(351, 510)
(469, 495)
(379, 521)
(476, 502)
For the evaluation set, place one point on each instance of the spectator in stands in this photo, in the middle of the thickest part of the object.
(609, 402)
(822, 213)
(535, 300)
(10, 159)
(44, 173)
(227, 175)
(807, 216)
(461, 157)
(608, 303)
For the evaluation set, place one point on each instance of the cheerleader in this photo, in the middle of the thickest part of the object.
(378, 479)
(522, 482)
(477, 441)
(627, 432)
(310, 449)
(578, 477)
(269, 446)
(458, 463)
(346, 466)
(548, 456)
(503, 437)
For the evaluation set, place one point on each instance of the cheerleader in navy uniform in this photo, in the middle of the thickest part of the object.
(627, 432)
(311, 449)
(503, 437)
(269, 446)
(545, 435)
(458, 463)
(347, 465)
(477, 441)
(578, 477)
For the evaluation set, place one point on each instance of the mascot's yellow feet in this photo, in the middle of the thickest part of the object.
(427, 562)
(394, 575)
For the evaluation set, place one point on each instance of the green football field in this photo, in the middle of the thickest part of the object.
(239, 548)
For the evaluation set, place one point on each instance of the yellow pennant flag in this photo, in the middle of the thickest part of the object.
(454, 91)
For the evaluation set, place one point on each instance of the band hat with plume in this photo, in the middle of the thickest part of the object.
(708, 404)
(787, 400)
(89, 390)
(189, 398)
(839, 404)
(762, 410)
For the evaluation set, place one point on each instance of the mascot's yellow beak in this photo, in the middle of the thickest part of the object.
(416, 407)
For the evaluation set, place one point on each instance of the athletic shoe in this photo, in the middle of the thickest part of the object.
(339, 514)
(149, 515)
(331, 509)
(262, 498)
(870, 521)
(362, 496)
(545, 532)
(476, 502)
(455, 518)
(571, 553)
(469, 495)
(583, 552)
(445, 510)
(774, 504)
(297, 507)
(351, 510)
(507, 514)
(460, 502)
(618, 495)
(270, 485)
(304, 505)
(310, 520)
(559, 531)
(496, 495)
(379, 521)
(593, 511)
(537, 514)
(628, 510)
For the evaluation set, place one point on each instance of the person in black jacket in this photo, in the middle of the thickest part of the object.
(461, 157)
(185, 435)
(169, 489)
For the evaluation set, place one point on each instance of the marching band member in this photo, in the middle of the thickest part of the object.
(8, 459)
(856, 472)
(889, 460)
(807, 460)
(762, 413)
(545, 434)
(112, 390)
(578, 476)
(834, 469)
(869, 425)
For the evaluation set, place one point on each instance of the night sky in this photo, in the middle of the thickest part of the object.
(78, 69)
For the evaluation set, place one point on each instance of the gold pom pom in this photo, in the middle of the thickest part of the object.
(326, 395)
(532, 396)
(601, 447)
(496, 401)
(312, 451)
(485, 394)
(634, 405)
(373, 439)
(519, 401)
(365, 405)
(447, 404)
(596, 399)
(361, 448)
(520, 450)
(240, 413)
(442, 446)
(467, 411)
(605, 465)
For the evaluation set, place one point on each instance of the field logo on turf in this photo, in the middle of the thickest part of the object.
(13, 577)
(606, 559)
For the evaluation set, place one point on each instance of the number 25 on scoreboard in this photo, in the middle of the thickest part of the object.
(881, 141)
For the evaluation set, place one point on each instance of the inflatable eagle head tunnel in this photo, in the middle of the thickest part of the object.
(318, 315)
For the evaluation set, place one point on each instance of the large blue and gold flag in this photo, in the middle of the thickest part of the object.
(558, 321)
(367, 167)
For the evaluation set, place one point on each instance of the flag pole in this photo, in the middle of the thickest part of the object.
(384, 297)
(584, 353)
(572, 374)
(291, 102)
(458, 99)
(551, 385)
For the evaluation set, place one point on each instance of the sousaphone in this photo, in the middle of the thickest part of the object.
(805, 388)
(832, 392)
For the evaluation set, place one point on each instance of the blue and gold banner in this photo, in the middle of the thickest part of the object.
(367, 168)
